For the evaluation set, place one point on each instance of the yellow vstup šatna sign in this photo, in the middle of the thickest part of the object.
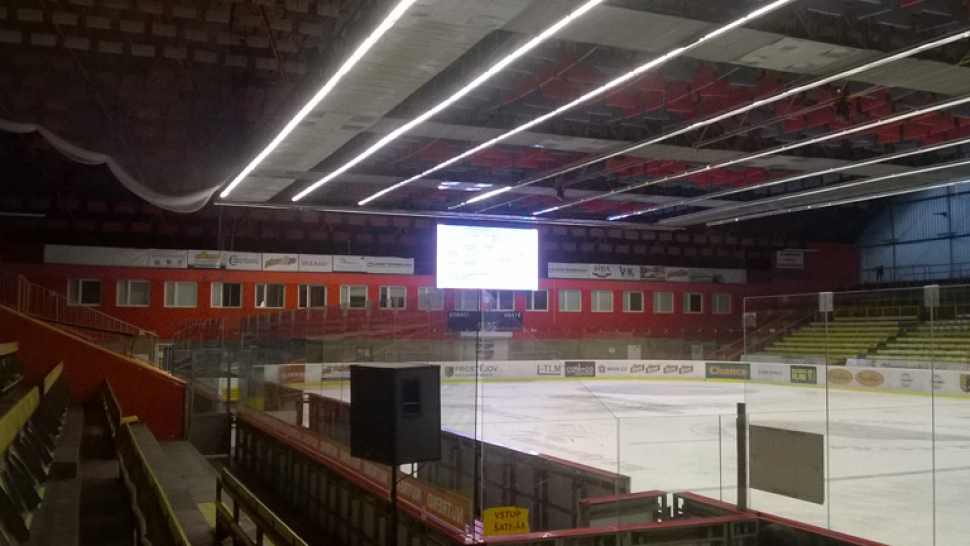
(506, 520)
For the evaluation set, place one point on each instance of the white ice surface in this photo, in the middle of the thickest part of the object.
(680, 436)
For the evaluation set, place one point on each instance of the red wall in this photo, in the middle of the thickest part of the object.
(157, 398)
(827, 269)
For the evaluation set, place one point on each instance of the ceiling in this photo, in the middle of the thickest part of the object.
(177, 98)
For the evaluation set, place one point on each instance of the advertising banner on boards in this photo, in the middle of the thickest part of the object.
(205, 259)
(281, 262)
(389, 266)
(349, 264)
(245, 261)
(315, 263)
(167, 259)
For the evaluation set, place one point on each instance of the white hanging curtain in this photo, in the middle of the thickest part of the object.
(189, 202)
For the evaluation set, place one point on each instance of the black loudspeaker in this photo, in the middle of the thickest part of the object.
(395, 413)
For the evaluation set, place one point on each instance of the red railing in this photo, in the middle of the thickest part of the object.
(43, 304)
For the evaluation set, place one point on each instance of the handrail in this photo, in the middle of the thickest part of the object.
(41, 303)
(266, 521)
(149, 500)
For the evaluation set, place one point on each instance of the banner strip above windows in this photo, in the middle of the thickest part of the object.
(220, 259)
(652, 273)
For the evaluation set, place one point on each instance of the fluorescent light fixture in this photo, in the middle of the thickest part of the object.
(485, 76)
(846, 201)
(731, 113)
(934, 168)
(362, 50)
(771, 151)
(801, 176)
(633, 74)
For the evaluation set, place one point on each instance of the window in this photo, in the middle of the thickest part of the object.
(466, 300)
(537, 301)
(602, 301)
(134, 293)
(353, 297)
(394, 297)
(663, 302)
(84, 292)
(633, 302)
(693, 303)
(226, 294)
(270, 295)
(722, 304)
(312, 295)
(180, 294)
(499, 300)
(431, 299)
(570, 300)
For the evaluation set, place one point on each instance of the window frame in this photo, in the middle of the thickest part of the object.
(74, 296)
(687, 303)
(626, 301)
(460, 300)
(656, 303)
(222, 295)
(714, 305)
(264, 286)
(566, 292)
(346, 296)
(495, 300)
(127, 293)
(384, 297)
(424, 302)
(174, 285)
(303, 295)
(594, 296)
(530, 301)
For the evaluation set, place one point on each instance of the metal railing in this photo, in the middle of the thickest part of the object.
(915, 273)
(109, 332)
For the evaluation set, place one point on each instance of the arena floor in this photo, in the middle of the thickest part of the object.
(680, 436)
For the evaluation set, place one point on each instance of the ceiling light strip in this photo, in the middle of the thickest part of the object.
(635, 73)
(741, 110)
(797, 177)
(826, 189)
(772, 151)
(481, 79)
(358, 54)
(846, 201)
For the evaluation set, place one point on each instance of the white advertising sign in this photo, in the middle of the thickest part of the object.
(316, 263)
(614, 272)
(205, 259)
(568, 271)
(678, 274)
(790, 259)
(96, 255)
(351, 264)
(248, 261)
(168, 259)
(281, 262)
(389, 266)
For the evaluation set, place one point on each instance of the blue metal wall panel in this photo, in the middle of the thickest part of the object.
(920, 221)
(879, 230)
(876, 256)
(923, 253)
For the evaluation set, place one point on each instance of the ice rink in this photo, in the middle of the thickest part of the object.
(881, 450)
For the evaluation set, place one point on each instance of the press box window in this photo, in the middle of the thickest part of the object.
(466, 300)
(602, 301)
(270, 296)
(180, 294)
(226, 294)
(84, 292)
(570, 300)
(134, 293)
(353, 297)
(312, 295)
(431, 299)
(633, 302)
(394, 297)
(722, 304)
(663, 302)
(537, 301)
(693, 303)
(499, 300)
